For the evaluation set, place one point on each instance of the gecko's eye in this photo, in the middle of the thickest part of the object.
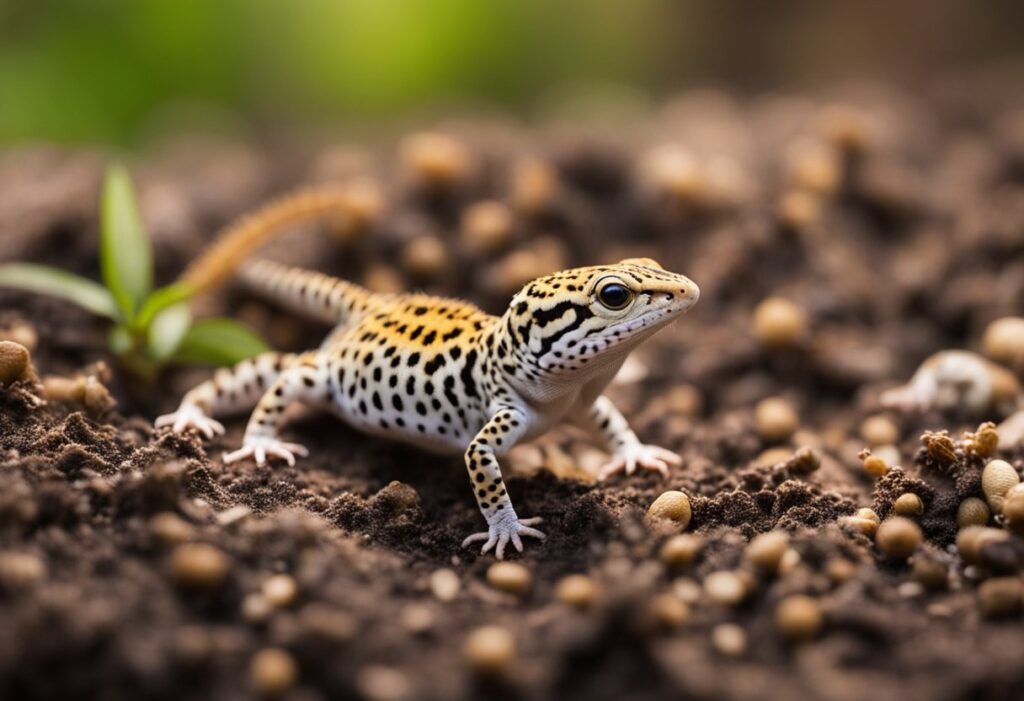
(614, 295)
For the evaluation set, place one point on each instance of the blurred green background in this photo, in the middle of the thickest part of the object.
(114, 70)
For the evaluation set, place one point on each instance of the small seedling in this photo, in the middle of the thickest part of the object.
(151, 327)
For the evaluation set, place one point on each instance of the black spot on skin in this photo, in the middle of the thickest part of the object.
(396, 401)
(421, 408)
(452, 335)
(414, 359)
(377, 403)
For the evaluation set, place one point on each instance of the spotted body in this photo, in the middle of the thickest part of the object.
(444, 375)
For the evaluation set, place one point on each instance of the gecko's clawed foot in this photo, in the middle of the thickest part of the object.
(259, 448)
(648, 457)
(501, 532)
(190, 416)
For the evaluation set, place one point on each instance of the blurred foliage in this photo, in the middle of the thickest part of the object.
(108, 70)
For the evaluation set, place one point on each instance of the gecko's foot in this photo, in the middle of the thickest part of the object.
(190, 416)
(259, 448)
(648, 457)
(499, 534)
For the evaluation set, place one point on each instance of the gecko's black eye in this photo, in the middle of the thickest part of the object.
(614, 295)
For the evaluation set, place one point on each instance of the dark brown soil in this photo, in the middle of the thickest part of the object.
(917, 247)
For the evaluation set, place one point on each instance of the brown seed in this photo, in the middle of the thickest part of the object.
(445, 584)
(998, 478)
(199, 566)
(1013, 511)
(898, 537)
(908, 504)
(680, 550)
(725, 588)
(486, 227)
(272, 672)
(970, 540)
(766, 550)
(534, 187)
(929, 571)
(875, 466)
(799, 618)
(15, 362)
(840, 570)
(1001, 596)
(776, 419)
(1004, 341)
(576, 590)
(169, 529)
(379, 683)
(983, 442)
(280, 590)
(490, 650)
(779, 323)
(436, 160)
(669, 611)
(671, 505)
(940, 447)
(879, 430)
(510, 577)
(864, 520)
(425, 257)
(729, 639)
(972, 512)
(804, 461)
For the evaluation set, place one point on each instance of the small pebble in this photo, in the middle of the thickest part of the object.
(898, 537)
(671, 505)
(972, 512)
(280, 590)
(486, 227)
(272, 672)
(445, 585)
(997, 479)
(725, 588)
(680, 550)
(576, 590)
(729, 639)
(776, 419)
(779, 323)
(168, 529)
(490, 650)
(199, 566)
(799, 618)
(510, 577)
(908, 504)
(766, 550)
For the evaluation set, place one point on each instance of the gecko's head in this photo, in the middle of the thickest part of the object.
(571, 320)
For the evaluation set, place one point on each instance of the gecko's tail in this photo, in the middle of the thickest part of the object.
(234, 244)
(306, 292)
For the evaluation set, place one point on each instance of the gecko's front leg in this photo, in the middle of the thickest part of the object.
(628, 453)
(506, 426)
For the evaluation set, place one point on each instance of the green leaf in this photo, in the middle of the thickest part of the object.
(162, 299)
(167, 331)
(219, 342)
(126, 260)
(120, 340)
(59, 283)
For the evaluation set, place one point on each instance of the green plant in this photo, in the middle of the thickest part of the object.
(151, 327)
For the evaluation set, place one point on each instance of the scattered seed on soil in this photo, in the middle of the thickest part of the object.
(577, 590)
(972, 511)
(725, 588)
(799, 618)
(280, 590)
(766, 550)
(510, 577)
(776, 419)
(908, 505)
(779, 323)
(673, 506)
(272, 672)
(997, 479)
(729, 639)
(199, 566)
(680, 550)
(490, 650)
(445, 585)
(898, 537)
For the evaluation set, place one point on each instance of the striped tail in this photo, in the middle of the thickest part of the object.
(311, 294)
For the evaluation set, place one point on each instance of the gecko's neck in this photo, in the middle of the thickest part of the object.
(518, 361)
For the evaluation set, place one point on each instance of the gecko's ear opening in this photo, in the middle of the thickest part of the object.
(645, 262)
